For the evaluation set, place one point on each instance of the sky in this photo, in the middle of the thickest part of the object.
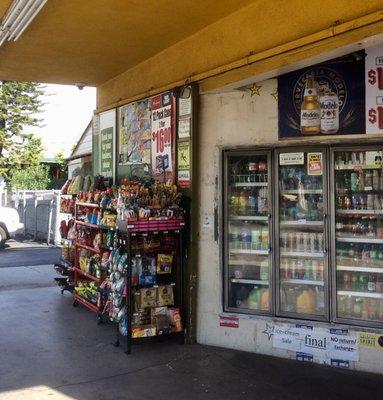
(67, 112)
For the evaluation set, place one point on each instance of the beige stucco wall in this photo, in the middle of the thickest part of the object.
(229, 120)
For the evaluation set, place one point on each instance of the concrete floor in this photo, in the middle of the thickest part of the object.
(50, 350)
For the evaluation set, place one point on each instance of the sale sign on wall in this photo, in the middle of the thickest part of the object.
(162, 135)
(374, 89)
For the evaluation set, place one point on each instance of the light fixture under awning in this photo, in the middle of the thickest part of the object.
(18, 17)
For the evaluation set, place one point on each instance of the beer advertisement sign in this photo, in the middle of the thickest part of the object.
(323, 99)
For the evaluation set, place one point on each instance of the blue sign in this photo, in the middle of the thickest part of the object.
(334, 101)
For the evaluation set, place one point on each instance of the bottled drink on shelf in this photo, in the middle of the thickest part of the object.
(264, 238)
(346, 283)
(361, 181)
(371, 285)
(362, 157)
(354, 181)
(285, 269)
(363, 282)
(368, 180)
(375, 180)
(354, 281)
(255, 238)
(309, 269)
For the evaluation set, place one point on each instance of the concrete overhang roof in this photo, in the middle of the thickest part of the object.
(92, 41)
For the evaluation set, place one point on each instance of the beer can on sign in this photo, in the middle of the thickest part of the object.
(329, 122)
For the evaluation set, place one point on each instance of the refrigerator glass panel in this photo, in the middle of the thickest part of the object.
(248, 233)
(302, 248)
(359, 234)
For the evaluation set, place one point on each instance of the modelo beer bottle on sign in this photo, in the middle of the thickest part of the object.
(310, 109)
(329, 103)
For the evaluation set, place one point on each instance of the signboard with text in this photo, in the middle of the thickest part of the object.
(106, 145)
(326, 98)
(162, 133)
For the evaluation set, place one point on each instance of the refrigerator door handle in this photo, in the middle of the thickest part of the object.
(325, 233)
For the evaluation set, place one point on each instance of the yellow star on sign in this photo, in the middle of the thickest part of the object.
(254, 90)
(275, 95)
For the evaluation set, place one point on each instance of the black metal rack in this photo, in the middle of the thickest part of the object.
(125, 237)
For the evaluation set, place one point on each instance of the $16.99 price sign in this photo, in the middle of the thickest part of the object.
(162, 133)
(374, 90)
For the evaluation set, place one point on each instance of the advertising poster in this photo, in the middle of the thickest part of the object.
(183, 163)
(374, 90)
(106, 150)
(162, 133)
(134, 144)
(320, 343)
(323, 99)
(371, 340)
(314, 164)
(106, 146)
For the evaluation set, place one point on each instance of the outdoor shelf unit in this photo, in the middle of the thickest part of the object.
(129, 230)
(78, 273)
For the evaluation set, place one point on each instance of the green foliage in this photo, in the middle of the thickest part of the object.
(20, 102)
(34, 177)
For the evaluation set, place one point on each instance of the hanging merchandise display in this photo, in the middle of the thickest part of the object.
(123, 254)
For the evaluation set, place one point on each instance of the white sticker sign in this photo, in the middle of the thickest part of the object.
(184, 128)
(291, 158)
(319, 342)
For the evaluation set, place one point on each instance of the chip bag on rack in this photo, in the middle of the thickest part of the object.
(165, 296)
(164, 263)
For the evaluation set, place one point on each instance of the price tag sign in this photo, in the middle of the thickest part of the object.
(162, 136)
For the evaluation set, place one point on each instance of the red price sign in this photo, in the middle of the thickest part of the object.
(162, 138)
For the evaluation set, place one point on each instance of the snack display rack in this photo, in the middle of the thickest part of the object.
(94, 302)
(127, 258)
(169, 235)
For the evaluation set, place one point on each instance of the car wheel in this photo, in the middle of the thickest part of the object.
(3, 237)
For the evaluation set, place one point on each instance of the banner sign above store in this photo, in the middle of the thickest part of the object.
(321, 343)
(162, 135)
(327, 98)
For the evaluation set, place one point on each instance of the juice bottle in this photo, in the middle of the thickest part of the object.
(265, 299)
(253, 301)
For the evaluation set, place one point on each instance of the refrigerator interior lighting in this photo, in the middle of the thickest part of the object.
(20, 14)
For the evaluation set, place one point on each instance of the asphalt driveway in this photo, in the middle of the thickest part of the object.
(27, 253)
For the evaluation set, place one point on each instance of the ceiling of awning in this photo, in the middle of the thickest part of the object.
(91, 41)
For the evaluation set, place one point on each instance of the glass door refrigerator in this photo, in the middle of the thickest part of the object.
(357, 232)
(247, 204)
(302, 235)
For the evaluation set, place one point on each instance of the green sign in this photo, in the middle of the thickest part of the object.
(106, 152)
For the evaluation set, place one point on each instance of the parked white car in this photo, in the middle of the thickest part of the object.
(9, 224)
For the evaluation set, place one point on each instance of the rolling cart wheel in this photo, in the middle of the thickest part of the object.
(75, 303)
(99, 320)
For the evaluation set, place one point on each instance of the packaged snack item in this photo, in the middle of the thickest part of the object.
(175, 319)
(160, 319)
(142, 317)
(148, 297)
(143, 331)
(146, 267)
(164, 263)
(165, 296)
